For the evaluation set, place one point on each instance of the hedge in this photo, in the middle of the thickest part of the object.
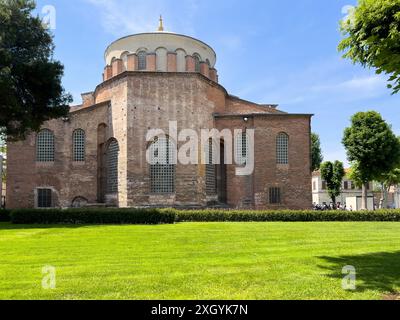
(285, 216)
(5, 215)
(163, 216)
(92, 216)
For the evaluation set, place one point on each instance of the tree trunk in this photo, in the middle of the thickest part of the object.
(364, 202)
(385, 197)
(382, 202)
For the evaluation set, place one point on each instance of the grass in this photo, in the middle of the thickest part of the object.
(200, 261)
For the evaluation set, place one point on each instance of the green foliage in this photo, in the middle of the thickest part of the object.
(354, 176)
(316, 152)
(169, 216)
(5, 215)
(285, 216)
(371, 146)
(92, 216)
(30, 79)
(333, 174)
(372, 38)
(391, 178)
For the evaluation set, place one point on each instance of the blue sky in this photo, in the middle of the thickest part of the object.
(270, 51)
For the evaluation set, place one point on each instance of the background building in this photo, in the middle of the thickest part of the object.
(2, 184)
(98, 154)
(349, 190)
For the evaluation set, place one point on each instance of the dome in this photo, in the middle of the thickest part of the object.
(155, 41)
(160, 52)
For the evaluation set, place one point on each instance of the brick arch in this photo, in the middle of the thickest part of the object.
(142, 59)
(142, 49)
(181, 59)
(79, 202)
(161, 59)
(124, 58)
(197, 62)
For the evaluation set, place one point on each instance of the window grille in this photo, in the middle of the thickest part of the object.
(112, 167)
(211, 182)
(79, 145)
(44, 198)
(197, 63)
(282, 148)
(45, 146)
(142, 63)
(162, 166)
(275, 196)
(242, 148)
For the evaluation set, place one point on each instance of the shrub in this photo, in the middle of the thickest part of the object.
(161, 216)
(92, 216)
(285, 216)
(5, 215)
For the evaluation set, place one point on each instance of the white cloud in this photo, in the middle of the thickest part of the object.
(125, 17)
(321, 83)
(122, 17)
(359, 87)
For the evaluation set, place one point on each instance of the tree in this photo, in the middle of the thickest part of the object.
(372, 38)
(3, 152)
(389, 180)
(316, 152)
(354, 176)
(372, 148)
(333, 174)
(30, 79)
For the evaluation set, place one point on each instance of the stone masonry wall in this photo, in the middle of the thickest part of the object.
(132, 103)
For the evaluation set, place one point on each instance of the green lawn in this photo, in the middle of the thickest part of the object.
(201, 261)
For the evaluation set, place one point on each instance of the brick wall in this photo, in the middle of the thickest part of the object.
(132, 103)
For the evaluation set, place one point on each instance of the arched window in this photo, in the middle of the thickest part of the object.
(79, 145)
(162, 165)
(282, 148)
(112, 166)
(242, 148)
(79, 202)
(45, 146)
(142, 60)
(211, 181)
(124, 58)
(197, 61)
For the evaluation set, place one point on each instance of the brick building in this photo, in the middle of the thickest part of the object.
(98, 154)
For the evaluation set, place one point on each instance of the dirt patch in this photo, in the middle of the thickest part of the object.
(392, 297)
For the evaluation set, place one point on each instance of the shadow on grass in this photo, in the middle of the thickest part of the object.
(10, 226)
(375, 271)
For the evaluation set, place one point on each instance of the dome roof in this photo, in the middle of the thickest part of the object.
(153, 41)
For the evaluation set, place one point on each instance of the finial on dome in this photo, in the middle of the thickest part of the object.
(161, 26)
